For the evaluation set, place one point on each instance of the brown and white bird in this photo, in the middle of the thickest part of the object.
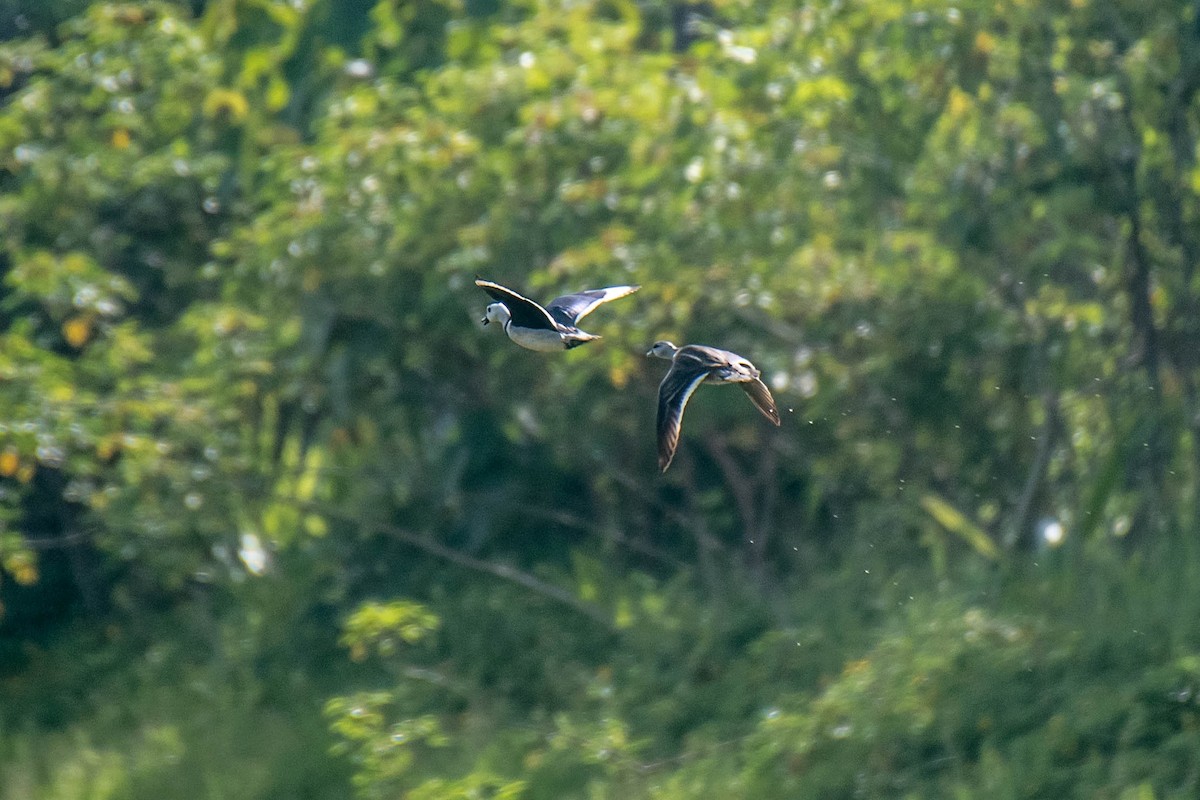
(692, 365)
(550, 328)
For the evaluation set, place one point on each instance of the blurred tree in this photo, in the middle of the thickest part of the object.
(243, 380)
(21, 18)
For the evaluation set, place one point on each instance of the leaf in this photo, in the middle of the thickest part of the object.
(9, 462)
(77, 331)
(226, 101)
(954, 521)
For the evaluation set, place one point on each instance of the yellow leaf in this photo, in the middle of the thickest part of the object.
(61, 393)
(953, 520)
(1144, 792)
(624, 616)
(985, 43)
(77, 330)
(22, 567)
(959, 103)
(856, 667)
(306, 485)
(315, 525)
(107, 448)
(129, 15)
(120, 138)
(9, 462)
(226, 101)
(277, 94)
(24, 574)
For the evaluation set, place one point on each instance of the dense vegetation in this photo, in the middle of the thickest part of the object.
(279, 519)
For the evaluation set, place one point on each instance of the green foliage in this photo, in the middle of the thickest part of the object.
(246, 416)
(384, 626)
(169, 710)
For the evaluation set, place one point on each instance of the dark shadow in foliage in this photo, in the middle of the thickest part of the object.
(70, 571)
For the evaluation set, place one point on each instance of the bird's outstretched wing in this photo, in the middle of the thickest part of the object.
(760, 395)
(673, 394)
(570, 308)
(525, 312)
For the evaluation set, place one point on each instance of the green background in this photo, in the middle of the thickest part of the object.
(280, 519)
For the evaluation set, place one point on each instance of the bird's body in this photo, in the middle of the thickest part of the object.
(692, 365)
(543, 340)
(548, 328)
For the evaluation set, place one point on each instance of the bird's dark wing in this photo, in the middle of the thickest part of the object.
(673, 394)
(525, 313)
(760, 395)
(570, 308)
(700, 356)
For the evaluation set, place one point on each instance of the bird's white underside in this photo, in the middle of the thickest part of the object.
(536, 338)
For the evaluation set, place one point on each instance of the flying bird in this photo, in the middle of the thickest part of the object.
(692, 365)
(549, 328)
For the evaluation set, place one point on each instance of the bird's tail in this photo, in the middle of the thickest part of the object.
(576, 339)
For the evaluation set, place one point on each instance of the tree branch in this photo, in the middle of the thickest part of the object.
(743, 497)
(1023, 520)
(505, 572)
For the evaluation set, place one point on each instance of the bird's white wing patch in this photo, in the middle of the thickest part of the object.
(574, 307)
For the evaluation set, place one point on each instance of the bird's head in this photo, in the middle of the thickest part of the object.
(662, 349)
(496, 312)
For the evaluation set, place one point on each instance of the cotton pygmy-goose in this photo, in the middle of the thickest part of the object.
(692, 365)
(550, 328)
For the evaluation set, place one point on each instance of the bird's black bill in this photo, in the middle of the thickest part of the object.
(486, 320)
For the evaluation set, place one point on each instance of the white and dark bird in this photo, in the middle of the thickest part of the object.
(692, 365)
(548, 328)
